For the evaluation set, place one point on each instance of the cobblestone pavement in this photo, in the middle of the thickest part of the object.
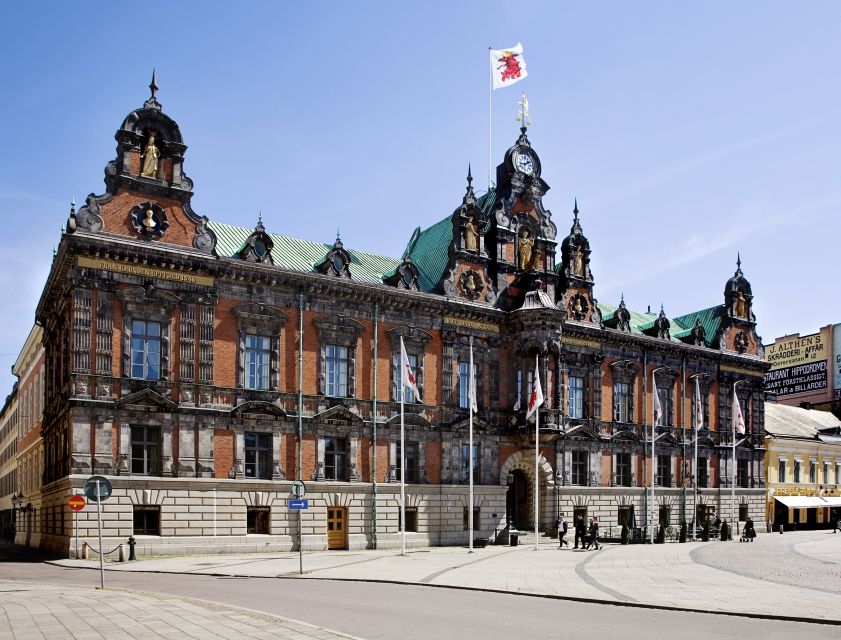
(51, 612)
(807, 559)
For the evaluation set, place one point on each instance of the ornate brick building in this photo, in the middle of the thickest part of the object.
(202, 367)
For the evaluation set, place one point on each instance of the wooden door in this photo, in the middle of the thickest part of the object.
(336, 528)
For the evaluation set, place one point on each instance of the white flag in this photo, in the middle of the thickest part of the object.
(408, 377)
(472, 390)
(699, 410)
(536, 398)
(738, 419)
(658, 408)
(508, 66)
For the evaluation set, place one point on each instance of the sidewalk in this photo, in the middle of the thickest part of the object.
(40, 611)
(713, 576)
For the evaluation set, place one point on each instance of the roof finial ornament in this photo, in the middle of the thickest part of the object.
(152, 101)
(622, 297)
(469, 176)
(338, 235)
(260, 226)
(738, 261)
(73, 205)
(575, 210)
(523, 115)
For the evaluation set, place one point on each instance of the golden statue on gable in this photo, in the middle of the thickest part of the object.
(150, 158)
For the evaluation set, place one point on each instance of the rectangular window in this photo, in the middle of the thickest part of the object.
(838, 473)
(465, 462)
(781, 470)
(257, 361)
(336, 370)
(82, 300)
(742, 474)
(519, 404)
(622, 402)
(825, 472)
(257, 458)
(463, 384)
(147, 521)
(703, 472)
(411, 462)
(335, 458)
(576, 397)
(743, 512)
(813, 471)
(623, 470)
(257, 520)
(408, 393)
(665, 515)
(664, 472)
(411, 519)
(626, 515)
(465, 523)
(580, 470)
(146, 450)
(145, 350)
(104, 326)
(187, 343)
(796, 471)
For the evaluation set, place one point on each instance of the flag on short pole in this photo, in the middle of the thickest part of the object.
(536, 397)
(408, 376)
(474, 405)
(738, 419)
(507, 66)
(699, 410)
(658, 408)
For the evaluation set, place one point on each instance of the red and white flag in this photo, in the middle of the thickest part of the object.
(507, 66)
(738, 418)
(408, 378)
(536, 397)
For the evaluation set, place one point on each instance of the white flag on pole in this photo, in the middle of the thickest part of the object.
(472, 390)
(658, 408)
(536, 397)
(699, 410)
(408, 376)
(508, 66)
(738, 419)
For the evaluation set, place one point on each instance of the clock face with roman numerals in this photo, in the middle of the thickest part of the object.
(524, 164)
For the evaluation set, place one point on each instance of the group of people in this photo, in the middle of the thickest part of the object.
(588, 536)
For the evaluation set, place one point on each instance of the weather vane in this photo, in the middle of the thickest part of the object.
(523, 114)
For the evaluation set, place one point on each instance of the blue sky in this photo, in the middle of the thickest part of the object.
(687, 131)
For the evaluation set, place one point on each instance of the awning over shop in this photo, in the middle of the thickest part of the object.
(801, 502)
(831, 501)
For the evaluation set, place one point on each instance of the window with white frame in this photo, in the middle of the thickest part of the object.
(259, 346)
(463, 385)
(336, 370)
(257, 455)
(580, 470)
(796, 470)
(145, 350)
(464, 467)
(623, 402)
(813, 471)
(257, 361)
(576, 397)
(781, 470)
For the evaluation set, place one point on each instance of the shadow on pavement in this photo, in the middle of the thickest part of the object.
(22, 554)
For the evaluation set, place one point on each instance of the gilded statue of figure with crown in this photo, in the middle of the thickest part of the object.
(150, 158)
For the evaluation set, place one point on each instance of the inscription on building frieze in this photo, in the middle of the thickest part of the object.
(471, 324)
(145, 271)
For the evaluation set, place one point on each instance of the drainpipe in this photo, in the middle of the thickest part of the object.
(644, 436)
(374, 434)
(300, 384)
(683, 429)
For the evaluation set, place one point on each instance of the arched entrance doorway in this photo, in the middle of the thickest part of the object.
(519, 506)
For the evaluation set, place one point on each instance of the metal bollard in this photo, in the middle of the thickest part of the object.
(781, 529)
(122, 556)
(131, 543)
(84, 551)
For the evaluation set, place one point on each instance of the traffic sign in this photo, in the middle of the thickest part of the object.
(76, 503)
(104, 489)
(297, 505)
(298, 489)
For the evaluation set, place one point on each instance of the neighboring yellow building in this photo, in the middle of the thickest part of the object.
(802, 467)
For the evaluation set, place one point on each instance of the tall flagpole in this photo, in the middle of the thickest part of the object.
(733, 471)
(471, 382)
(490, 118)
(402, 453)
(695, 430)
(536, 452)
(655, 512)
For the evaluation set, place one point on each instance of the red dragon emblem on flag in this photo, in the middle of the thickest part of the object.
(509, 65)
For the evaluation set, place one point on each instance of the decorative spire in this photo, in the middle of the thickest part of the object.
(338, 235)
(469, 197)
(523, 115)
(575, 210)
(622, 298)
(738, 262)
(576, 225)
(260, 228)
(152, 102)
(72, 206)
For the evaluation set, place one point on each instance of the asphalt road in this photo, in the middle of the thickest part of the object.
(387, 611)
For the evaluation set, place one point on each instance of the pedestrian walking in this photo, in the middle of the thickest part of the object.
(562, 531)
(580, 531)
(749, 531)
(593, 534)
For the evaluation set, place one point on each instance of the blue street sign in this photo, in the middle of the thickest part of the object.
(299, 504)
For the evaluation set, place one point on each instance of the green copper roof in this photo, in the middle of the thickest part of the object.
(429, 249)
(302, 255)
(681, 326)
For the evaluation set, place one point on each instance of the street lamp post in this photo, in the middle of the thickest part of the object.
(559, 477)
(509, 480)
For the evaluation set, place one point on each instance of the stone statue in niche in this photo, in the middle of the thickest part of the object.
(526, 244)
(741, 306)
(150, 158)
(149, 223)
(471, 235)
(470, 283)
(577, 261)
